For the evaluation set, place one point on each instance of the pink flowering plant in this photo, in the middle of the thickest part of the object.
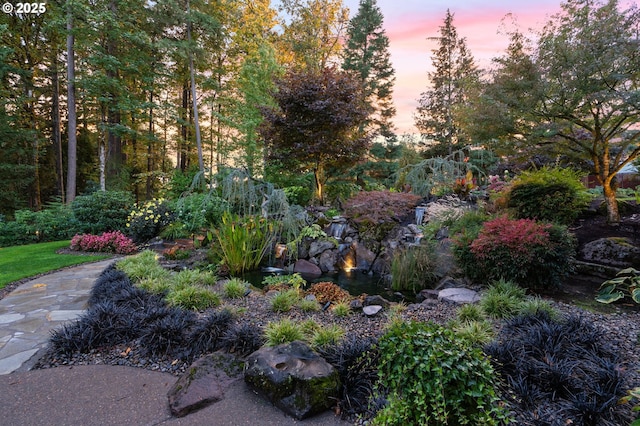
(530, 253)
(108, 242)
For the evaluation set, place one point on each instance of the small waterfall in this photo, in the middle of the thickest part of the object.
(420, 214)
(337, 228)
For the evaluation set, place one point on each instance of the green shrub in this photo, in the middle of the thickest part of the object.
(548, 194)
(523, 251)
(198, 211)
(284, 301)
(102, 211)
(243, 243)
(283, 331)
(412, 269)
(235, 288)
(54, 223)
(147, 220)
(194, 297)
(300, 195)
(434, 377)
(14, 233)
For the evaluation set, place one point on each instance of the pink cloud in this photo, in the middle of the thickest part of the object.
(483, 28)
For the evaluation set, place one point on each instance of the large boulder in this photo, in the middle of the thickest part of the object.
(307, 269)
(204, 383)
(328, 260)
(294, 378)
(612, 251)
(320, 246)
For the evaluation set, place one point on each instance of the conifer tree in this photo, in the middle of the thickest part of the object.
(367, 53)
(455, 76)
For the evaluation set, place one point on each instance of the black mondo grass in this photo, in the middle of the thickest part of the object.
(205, 335)
(166, 336)
(242, 339)
(563, 365)
(72, 337)
(356, 361)
(111, 324)
(110, 285)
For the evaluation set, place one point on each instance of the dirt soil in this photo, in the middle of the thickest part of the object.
(580, 289)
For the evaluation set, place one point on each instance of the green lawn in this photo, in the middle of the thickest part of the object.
(19, 262)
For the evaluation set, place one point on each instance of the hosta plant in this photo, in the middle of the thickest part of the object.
(625, 284)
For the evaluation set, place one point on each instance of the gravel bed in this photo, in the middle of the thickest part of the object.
(621, 330)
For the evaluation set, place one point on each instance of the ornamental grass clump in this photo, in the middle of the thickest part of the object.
(206, 334)
(242, 243)
(142, 266)
(329, 335)
(285, 300)
(356, 359)
(434, 377)
(194, 297)
(235, 288)
(529, 253)
(283, 331)
(563, 365)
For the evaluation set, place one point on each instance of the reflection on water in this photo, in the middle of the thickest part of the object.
(354, 281)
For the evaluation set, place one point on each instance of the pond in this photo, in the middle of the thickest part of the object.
(354, 281)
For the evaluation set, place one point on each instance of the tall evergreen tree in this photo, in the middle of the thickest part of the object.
(367, 53)
(455, 76)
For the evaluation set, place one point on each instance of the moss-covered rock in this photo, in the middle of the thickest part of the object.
(294, 378)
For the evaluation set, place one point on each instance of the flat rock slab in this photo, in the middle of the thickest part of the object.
(458, 295)
(371, 310)
(204, 383)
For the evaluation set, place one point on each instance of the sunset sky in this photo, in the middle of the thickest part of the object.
(408, 24)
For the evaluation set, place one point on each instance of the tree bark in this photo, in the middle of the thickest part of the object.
(194, 98)
(55, 123)
(611, 202)
(72, 146)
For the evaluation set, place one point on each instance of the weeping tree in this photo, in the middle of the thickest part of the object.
(438, 172)
(317, 124)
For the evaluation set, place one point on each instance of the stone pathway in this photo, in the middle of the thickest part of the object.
(31, 311)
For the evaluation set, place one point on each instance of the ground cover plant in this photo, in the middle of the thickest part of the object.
(20, 262)
(559, 370)
(434, 377)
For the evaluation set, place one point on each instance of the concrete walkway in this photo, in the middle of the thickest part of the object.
(31, 311)
(98, 394)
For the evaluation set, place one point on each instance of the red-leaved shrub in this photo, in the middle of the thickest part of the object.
(524, 251)
(108, 242)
